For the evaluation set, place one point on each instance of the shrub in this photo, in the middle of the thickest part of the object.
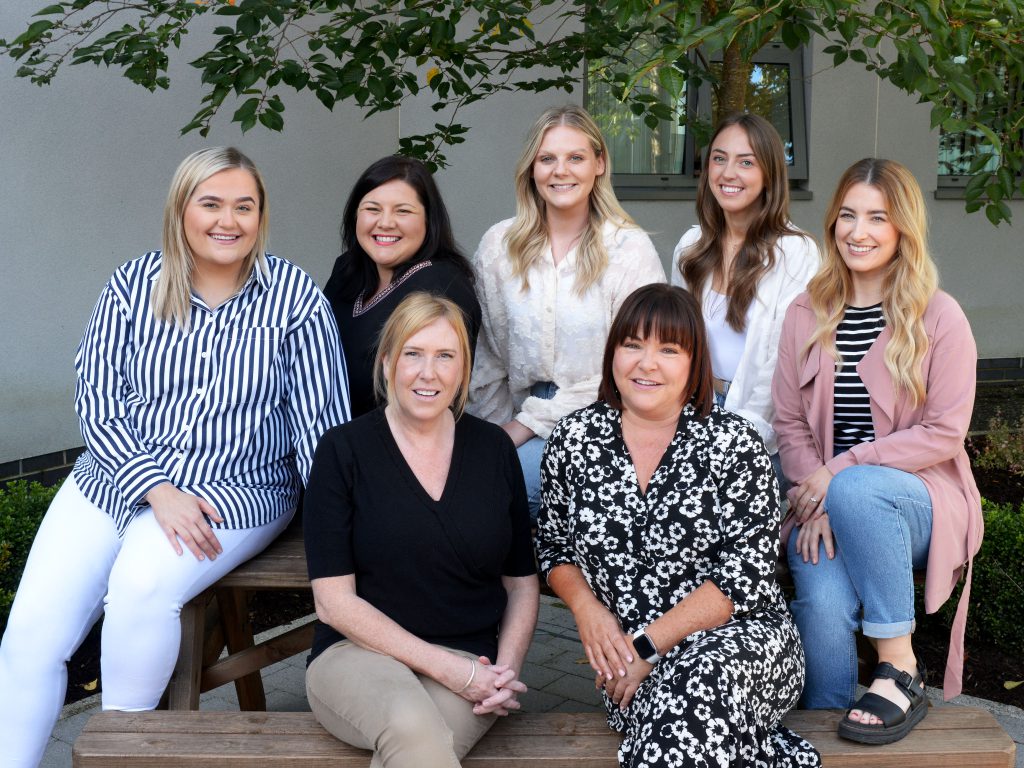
(1003, 447)
(22, 506)
(996, 613)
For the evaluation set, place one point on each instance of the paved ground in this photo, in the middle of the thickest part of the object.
(557, 673)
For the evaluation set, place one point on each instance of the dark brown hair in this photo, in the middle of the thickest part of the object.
(756, 255)
(672, 315)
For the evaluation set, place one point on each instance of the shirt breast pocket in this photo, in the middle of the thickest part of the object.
(254, 366)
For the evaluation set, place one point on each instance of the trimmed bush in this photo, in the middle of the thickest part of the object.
(996, 614)
(22, 506)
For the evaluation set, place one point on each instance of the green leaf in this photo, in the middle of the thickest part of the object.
(50, 10)
(34, 31)
(272, 120)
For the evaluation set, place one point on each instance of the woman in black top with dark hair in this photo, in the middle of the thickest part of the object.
(397, 239)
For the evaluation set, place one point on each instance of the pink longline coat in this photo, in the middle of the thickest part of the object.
(927, 439)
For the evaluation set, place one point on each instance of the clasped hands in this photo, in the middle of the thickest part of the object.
(494, 688)
(807, 500)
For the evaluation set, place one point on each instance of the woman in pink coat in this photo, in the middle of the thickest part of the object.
(873, 392)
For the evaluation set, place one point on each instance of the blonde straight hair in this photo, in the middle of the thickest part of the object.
(172, 293)
(415, 312)
(910, 281)
(527, 238)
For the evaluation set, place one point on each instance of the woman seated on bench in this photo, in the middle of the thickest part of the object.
(418, 544)
(207, 374)
(659, 528)
(873, 393)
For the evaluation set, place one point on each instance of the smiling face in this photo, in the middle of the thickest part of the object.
(865, 237)
(391, 224)
(734, 174)
(651, 376)
(565, 168)
(425, 379)
(221, 222)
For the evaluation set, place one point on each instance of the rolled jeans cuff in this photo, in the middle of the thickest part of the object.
(886, 631)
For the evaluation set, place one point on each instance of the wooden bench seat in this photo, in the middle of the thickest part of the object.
(948, 736)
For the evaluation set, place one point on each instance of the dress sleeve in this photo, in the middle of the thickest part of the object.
(318, 382)
(101, 392)
(490, 396)
(554, 545)
(748, 517)
(949, 401)
(327, 509)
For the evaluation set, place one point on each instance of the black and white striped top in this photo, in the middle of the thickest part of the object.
(230, 410)
(856, 333)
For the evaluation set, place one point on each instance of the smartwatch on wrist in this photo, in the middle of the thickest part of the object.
(644, 646)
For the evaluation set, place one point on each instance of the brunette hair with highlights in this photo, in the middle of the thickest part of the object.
(672, 315)
(756, 255)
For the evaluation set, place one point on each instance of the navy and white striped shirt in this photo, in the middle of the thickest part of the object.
(230, 410)
(851, 419)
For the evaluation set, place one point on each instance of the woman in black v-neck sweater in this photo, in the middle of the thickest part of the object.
(419, 553)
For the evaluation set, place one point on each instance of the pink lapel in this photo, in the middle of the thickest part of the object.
(879, 384)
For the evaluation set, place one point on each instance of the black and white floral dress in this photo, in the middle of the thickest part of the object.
(710, 512)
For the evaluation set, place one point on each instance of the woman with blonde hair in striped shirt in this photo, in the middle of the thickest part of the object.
(206, 375)
(873, 395)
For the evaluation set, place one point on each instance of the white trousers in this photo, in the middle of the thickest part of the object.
(78, 567)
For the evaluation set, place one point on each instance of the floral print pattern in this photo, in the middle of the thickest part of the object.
(710, 512)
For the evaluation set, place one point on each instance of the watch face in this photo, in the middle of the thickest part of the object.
(644, 647)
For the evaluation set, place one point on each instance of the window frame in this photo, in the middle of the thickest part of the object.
(653, 186)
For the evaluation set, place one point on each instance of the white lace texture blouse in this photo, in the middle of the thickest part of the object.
(549, 332)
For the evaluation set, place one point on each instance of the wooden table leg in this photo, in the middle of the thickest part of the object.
(234, 615)
(183, 689)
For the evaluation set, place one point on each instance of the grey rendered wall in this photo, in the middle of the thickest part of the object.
(84, 167)
(85, 163)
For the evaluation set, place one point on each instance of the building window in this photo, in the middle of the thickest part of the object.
(660, 160)
(959, 150)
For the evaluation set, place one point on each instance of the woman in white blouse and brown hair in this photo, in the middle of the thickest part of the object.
(745, 262)
(550, 282)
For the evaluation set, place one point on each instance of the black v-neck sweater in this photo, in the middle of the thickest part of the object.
(434, 567)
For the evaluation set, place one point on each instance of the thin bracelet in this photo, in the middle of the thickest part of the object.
(472, 675)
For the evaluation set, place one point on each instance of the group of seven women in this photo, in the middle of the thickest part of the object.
(554, 383)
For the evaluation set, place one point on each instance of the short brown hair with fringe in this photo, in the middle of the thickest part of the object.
(672, 315)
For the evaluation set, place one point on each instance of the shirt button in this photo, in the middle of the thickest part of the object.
(199, 390)
(205, 355)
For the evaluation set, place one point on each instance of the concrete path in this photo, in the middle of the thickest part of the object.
(557, 673)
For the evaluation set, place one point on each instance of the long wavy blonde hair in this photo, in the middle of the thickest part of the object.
(910, 280)
(527, 238)
(172, 293)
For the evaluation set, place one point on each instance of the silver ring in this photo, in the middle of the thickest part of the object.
(814, 500)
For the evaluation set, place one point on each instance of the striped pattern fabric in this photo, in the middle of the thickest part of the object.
(230, 410)
(852, 417)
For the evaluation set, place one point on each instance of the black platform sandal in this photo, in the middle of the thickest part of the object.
(895, 722)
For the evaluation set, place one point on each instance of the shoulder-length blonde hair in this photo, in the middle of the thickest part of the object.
(527, 238)
(910, 280)
(171, 294)
(415, 312)
(756, 256)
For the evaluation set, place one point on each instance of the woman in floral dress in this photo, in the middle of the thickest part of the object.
(659, 528)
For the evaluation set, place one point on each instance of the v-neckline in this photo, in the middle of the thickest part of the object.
(643, 492)
(407, 472)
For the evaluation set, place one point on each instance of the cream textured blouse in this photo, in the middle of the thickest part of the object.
(549, 332)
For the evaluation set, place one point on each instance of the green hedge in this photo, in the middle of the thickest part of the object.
(22, 506)
(996, 614)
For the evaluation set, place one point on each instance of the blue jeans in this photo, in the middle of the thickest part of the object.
(532, 451)
(881, 520)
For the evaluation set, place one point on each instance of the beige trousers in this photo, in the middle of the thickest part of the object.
(374, 702)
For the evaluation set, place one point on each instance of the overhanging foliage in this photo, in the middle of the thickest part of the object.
(963, 57)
